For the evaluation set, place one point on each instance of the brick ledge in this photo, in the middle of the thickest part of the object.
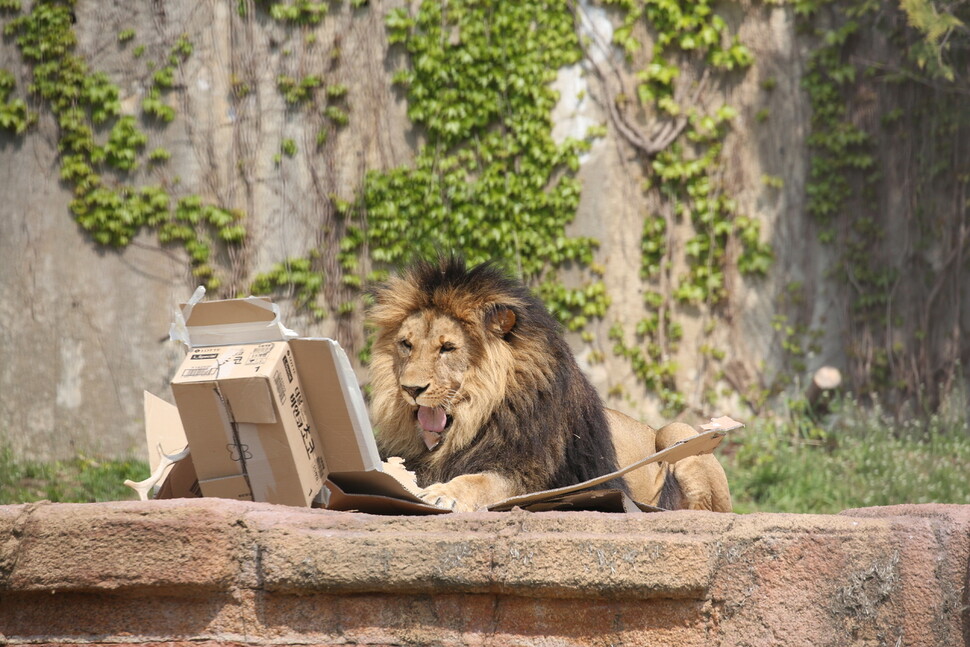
(210, 569)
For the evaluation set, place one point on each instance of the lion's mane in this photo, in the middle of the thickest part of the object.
(529, 412)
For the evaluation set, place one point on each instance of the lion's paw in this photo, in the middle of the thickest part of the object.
(439, 495)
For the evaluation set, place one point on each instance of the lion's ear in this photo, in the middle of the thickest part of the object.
(500, 320)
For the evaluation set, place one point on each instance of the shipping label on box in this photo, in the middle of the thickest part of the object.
(245, 415)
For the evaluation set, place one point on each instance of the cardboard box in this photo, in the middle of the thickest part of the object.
(247, 422)
(271, 417)
(249, 418)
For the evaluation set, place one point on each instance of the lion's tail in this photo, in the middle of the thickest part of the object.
(671, 496)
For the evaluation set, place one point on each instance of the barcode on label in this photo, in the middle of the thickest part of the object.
(200, 371)
(280, 386)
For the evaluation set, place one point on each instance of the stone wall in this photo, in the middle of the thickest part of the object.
(219, 572)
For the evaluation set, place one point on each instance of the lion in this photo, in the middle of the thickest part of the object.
(474, 386)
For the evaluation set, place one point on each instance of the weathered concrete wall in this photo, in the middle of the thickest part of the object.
(83, 327)
(226, 572)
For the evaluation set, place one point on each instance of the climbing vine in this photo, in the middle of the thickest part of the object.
(14, 116)
(489, 181)
(296, 272)
(85, 103)
(323, 107)
(880, 121)
(684, 177)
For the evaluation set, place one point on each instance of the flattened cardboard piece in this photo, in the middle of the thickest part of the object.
(722, 423)
(163, 429)
(373, 492)
(396, 483)
(336, 405)
(702, 443)
(245, 414)
(587, 501)
(375, 483)
(361, 492)
(172, 473)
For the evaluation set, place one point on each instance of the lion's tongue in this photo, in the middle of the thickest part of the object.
(432, 421)
(432, 418)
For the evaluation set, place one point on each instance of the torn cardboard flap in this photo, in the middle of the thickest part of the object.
(370, 491)
(703, 443)
(228, 321)
(339, 408)
(168, 454)
(163, 430)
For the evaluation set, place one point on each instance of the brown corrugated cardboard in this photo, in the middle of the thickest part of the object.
(248, 394)
(228, 487)
(336, 405)
(373, 492)
(229, 321)
(181, 482)
(167, 454)
(703, 443)
(163, 430)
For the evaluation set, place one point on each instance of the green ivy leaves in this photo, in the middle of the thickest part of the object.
(295, 273)
(686, 177)
(14, 115)
(82, 100)
(490, 181)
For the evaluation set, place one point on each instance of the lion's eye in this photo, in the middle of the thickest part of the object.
(405, 344)
(447, 347)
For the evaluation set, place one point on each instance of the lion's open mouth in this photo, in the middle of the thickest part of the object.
(433, 422)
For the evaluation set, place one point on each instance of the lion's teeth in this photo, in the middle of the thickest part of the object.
(431, 438)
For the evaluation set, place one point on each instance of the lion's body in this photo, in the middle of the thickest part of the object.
(476, 389)
(696, 482)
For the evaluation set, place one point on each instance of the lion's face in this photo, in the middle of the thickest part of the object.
(442, 360)
(435, 380)
(431, 359)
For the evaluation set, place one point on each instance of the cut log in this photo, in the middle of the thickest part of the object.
(826, 380)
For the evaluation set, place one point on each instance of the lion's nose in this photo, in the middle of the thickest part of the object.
(415, 391)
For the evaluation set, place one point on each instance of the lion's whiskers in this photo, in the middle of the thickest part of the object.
(449, 398)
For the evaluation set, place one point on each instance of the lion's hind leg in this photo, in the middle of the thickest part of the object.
(700, 480)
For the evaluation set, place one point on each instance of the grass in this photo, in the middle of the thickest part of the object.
(853, 457)
(80, 480)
